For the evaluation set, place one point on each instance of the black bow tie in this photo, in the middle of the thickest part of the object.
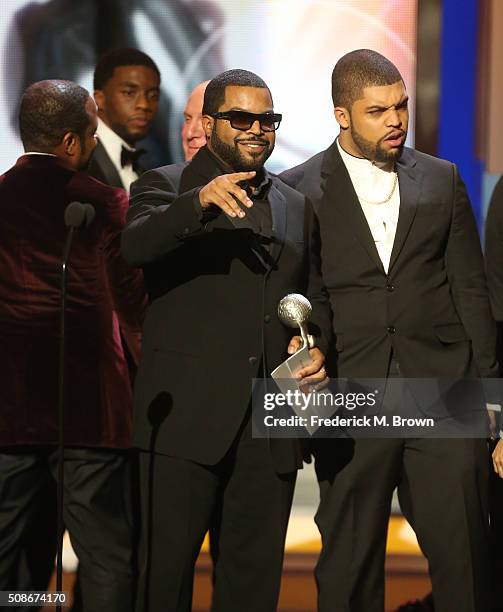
(129, 157)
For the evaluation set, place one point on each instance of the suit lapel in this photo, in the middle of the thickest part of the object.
(199, 172)
(105, 164)
(277, 202)
(339, 192)
(409, 181)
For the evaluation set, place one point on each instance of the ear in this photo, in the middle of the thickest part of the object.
(99, 98)
(208, 125)
(342, 117)
(70, 144)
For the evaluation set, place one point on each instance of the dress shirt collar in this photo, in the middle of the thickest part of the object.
(112, 142)
(260, 186)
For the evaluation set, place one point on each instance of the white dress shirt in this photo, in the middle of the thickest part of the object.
(379, 196)
(113, 144)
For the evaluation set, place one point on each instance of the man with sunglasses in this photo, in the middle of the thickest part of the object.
(219, 251)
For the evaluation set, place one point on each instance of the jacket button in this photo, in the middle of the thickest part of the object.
(186, 230)
(252, 360)
(391, 329)
(267, 318)
(390, 287)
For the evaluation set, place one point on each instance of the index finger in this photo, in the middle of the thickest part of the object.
(236, 177)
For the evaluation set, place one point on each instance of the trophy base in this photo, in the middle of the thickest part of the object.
(286, 382)
(287, 369)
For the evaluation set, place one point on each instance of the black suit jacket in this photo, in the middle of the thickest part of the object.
(102, 168)
(432, 307)
(494, 260)
(214, 291)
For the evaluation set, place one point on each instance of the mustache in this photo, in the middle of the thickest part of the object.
(393, 132)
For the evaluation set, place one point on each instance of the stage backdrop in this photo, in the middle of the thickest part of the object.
(292, 44)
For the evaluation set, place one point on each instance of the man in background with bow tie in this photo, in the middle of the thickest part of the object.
(126, 90)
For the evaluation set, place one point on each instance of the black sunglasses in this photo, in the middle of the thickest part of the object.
(242, 120)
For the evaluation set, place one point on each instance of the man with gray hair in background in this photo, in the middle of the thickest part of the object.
(193, 137)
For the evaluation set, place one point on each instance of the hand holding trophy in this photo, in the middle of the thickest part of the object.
(294, 310)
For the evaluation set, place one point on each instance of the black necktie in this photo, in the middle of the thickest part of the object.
(131, 157)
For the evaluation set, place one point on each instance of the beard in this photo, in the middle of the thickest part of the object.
(232, 156)
(85, 159)
(374, 151)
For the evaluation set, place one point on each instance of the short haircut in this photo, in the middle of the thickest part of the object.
(126, 56)
(214, 96)
(357, 70)
(50, 109)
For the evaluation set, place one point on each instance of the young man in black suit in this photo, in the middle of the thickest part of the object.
(126, 90)
(402, 263)
(219, 251)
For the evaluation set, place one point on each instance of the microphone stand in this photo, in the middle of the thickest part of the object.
(61, 404)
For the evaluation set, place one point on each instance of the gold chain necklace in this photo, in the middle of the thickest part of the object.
(387, 198)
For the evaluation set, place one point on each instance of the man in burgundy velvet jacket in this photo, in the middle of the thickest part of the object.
(58, 123)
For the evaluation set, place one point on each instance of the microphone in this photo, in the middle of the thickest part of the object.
(294, 310)
(78, 215)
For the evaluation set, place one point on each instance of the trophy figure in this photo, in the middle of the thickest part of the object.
(294, 310)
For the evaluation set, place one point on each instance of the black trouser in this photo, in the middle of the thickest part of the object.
(442, 488)
(97, 514)
(496, 531)
(179, 502)
(36, 560)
